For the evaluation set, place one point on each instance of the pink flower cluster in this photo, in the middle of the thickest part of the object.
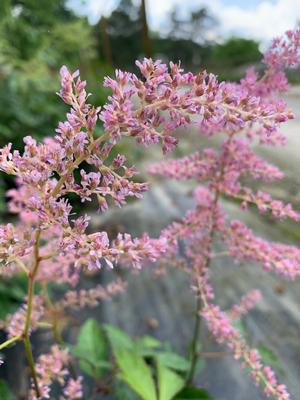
(49, 244)
(222, 328)
(245, 246)
(284, 52)
(220, 172)
(73, 389)
(248, 301)
(184, 99)
(74, 299)
(14, 324)
(51, 367)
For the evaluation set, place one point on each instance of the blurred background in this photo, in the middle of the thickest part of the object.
(97, 36)
(37, 37)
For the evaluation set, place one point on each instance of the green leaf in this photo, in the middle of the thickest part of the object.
(169, 382)
(5, 392)
(269, 357)
(193, 393)
(121, 391)
(173, 361)
(148, 342)
(239, 325)
(91, 349)
(118, 338)
(147, 346)
(136, 373)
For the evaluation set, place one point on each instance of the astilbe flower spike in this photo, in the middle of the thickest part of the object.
(49, 244)
(221, 172)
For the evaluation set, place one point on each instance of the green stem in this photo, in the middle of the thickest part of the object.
(28, 351)
(55, 330)
(9, 342)
(26, 336)
(194, 355)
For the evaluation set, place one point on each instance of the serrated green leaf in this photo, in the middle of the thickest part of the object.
(118, 338)
(169, 382)
(173, 361)
(91, 349)
(5, 393)
(193, 393)
(136, 373)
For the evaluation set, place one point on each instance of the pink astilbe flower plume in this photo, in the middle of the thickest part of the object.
(222, 329)
(49, 244)
(221, 172)
(73, 390)
(248, 301)
(51, 367)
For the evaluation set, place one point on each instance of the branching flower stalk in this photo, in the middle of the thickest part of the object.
(217, 174)
(211, 232)
(51, 244)
(31, 283)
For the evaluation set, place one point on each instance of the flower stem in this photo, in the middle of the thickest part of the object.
(30, 361)
(10, 341)
(77, 162)
(194, 355)
(26, 336)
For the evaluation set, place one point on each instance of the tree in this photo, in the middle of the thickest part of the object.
(236, 52)
(36, 38)
(146, 39)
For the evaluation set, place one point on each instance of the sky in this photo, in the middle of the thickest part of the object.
(258, 19)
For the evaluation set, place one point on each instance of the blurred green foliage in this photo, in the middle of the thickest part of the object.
(143, 368)
(236, 52)
(36, 38)
(231, 59)
(186, 39)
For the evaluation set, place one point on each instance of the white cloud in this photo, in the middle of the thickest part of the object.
(263, 21)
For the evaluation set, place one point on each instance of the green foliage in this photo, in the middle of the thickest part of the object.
(146, 367)
(270, 358)
(12, 293)
(91, 349)
(122, 391)
(5, 393)
(186, 40)
(240, 326)
(169, 383)
(236, 52)
(136, 373)
(173, 361)
(117, 338)
(194, 393)
(36, 39)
